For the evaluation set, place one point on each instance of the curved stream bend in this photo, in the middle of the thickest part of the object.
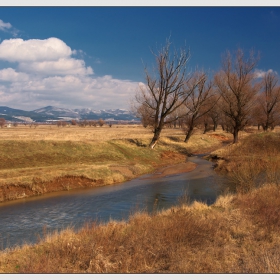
(24, 220)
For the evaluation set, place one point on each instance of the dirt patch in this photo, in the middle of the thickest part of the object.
(124, 170)
(220, 137)
(38, 187)
(173, 170)
(172, 156)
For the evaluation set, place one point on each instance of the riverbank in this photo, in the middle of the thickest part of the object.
(47, 159)
(250, 163)
(237, 234)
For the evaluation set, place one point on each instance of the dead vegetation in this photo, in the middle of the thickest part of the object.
(238, 234)
(251, 163)
(49, 158)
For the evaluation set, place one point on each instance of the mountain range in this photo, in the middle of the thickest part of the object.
(51, 113)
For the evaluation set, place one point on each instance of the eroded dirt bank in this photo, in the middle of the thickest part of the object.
(171, 163)
(62, 166)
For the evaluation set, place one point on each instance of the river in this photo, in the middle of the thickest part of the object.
(23, 221)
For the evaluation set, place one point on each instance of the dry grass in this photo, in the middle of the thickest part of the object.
(227, 237)
(253, 161)
(75, 133)
(33, 160)
(237, 234)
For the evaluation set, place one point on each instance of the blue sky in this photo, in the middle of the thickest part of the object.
(96, 54)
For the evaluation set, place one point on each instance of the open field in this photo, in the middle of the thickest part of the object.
(34, 161)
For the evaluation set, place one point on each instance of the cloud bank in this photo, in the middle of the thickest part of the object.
(46, 72)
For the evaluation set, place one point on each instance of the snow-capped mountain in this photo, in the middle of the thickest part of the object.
(51, 113)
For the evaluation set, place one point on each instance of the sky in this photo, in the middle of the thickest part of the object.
(94, 57)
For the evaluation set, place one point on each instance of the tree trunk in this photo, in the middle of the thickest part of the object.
(205, 128)
(215, 126)
(235, 135)
(189, 133)
(155, 138)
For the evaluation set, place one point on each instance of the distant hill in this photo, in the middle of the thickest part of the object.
(51, 113)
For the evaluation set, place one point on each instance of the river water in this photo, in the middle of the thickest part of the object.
(25, 220)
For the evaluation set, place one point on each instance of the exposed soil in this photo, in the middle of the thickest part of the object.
(220, 137)
(173, 170)
(66, 183)
(19, 191)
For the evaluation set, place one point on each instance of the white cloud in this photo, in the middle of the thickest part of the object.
(70, 91)
(18, 50)
(4, 26)
(10, 75)
(260, 73)
(62, 66)
(47, 74)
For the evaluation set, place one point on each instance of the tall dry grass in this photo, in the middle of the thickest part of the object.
(252, 162)
(227, 237)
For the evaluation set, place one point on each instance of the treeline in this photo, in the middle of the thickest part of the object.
(234, 97)
(82, 123)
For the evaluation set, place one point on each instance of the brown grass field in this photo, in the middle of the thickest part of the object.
(34, 161)
(239, 233)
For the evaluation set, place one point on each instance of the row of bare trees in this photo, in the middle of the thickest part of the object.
(233, 98)
(85, 123)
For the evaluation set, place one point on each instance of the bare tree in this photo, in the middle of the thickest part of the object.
(267, 108)
(145, 114)
(199, 102)
(215, 113)
(165, 90)
(73, 122)
(2, 122)
(101, 122)
(235, 84)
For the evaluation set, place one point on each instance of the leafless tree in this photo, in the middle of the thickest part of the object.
(165, 90)
(215, 113)
(2, 122)
(267, 108)
(199, 102)
(146, 115)
(101, 122)
(93, 123)
(73, 122)
(235, 83)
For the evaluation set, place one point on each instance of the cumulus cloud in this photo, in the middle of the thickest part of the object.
(72, 92)
(62, 66)
(18, 50)
(260, 73)
(10, 75)
(47, 74)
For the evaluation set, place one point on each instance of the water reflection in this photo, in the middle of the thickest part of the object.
(24, 220)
